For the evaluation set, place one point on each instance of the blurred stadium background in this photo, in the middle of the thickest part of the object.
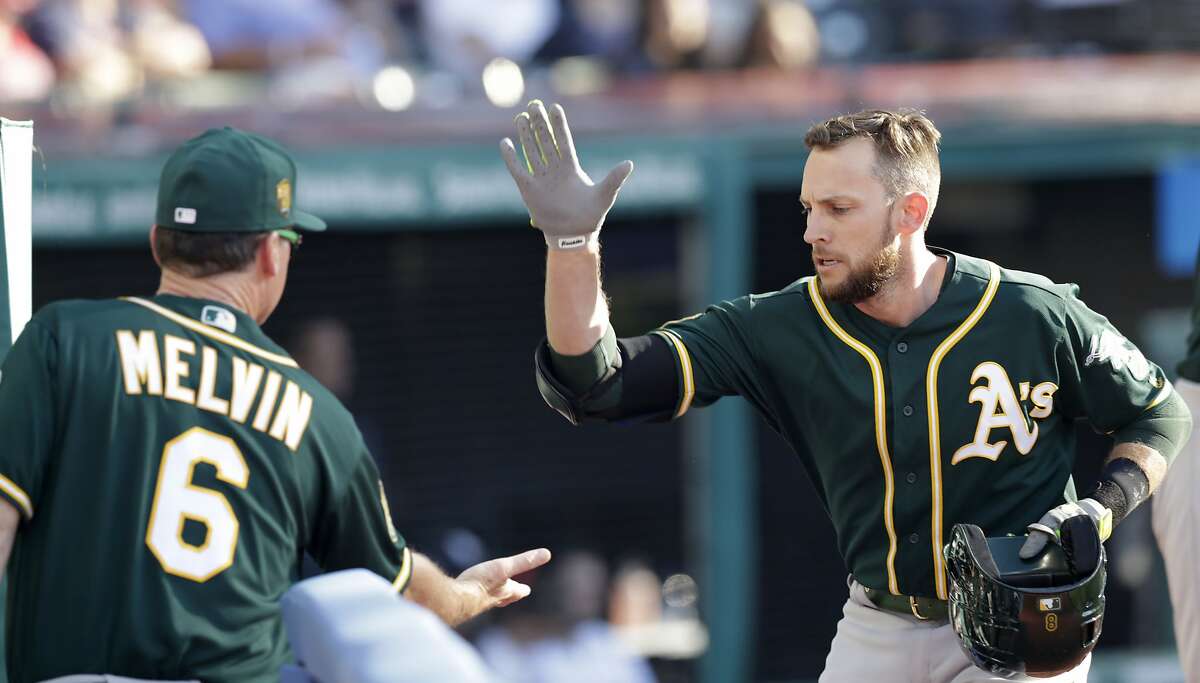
(1071, 148)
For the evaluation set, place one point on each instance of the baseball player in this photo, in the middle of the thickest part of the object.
(167, 464)
(1176, 518)
(921, 388)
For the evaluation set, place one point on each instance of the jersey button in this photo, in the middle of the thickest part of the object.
(911, 477)
(902, 347)
(914, 538)
(908, 411)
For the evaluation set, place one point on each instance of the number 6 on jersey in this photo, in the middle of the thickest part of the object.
(176, 500)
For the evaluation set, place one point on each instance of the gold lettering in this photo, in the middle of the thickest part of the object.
(206, 399)
(176, 369)
(267, 403)
(1043, 399)
(292, 417)
(246, 378)
(139, 362)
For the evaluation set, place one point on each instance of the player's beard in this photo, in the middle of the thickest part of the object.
(868, 279)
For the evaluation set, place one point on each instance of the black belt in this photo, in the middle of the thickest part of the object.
(925, 609)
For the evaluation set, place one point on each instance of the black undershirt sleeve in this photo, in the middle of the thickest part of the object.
(650, 380)
(633, 378)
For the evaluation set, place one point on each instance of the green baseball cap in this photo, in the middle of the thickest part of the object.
(228, 180)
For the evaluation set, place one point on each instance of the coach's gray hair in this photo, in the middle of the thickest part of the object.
(906, 148)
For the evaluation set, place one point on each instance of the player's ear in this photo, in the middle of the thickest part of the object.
(268, 258)
(154, 244)
(914, 209)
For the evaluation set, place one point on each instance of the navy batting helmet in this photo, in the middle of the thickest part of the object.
(1036, 618)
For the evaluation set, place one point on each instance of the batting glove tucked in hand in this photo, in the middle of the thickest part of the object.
(562, 200)
(1047, 528)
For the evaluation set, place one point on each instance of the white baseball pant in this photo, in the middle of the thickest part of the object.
(877, 645)
(1176, 521)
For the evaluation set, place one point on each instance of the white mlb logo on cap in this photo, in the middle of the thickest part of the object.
(185, 215)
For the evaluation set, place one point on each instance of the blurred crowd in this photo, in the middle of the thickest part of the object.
(587, 625)
(392, 53)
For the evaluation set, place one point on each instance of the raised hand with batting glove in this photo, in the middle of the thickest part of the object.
(563, 201)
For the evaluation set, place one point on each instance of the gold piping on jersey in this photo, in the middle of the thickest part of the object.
(1162, 395)
(405, 573)
(18, 495)
(889, 490)
(935, 446)
(212, 332)
(685, 370)
(683, 319)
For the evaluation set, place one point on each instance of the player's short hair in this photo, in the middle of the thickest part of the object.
(906, 147)
(201, 254)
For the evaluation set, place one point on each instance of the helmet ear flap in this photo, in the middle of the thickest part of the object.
(977, 546)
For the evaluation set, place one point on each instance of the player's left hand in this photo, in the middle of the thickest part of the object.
(491, 581)
(1048, 528)
(563, 201)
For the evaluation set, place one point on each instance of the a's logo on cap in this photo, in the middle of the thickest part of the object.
(283, 196)
(185, 215)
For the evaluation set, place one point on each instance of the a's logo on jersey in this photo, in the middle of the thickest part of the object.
(1000, 408)
(1110, 347)
(218, 317)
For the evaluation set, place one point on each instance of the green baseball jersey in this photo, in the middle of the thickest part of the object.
(172, 464)
(963, 416)
(1190, 367)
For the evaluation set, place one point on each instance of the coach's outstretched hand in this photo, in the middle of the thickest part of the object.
(563, 201)
(492, 580)
(485, 586)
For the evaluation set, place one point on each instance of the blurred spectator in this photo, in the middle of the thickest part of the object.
(675, 32)
(25, 71)
(636, 596)
(783, 34)
(558, 634)
(313, 50)
(324, 348)
(250, 34)
(635, 610)
(106, 49)
(461, 36)
(89, 48)
(605, 29)
(166, 46)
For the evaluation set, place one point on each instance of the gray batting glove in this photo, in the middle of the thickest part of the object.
(562, 200)
(1047, 528)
